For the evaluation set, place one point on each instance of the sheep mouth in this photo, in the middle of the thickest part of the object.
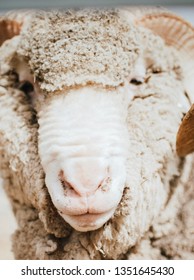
(88, 221)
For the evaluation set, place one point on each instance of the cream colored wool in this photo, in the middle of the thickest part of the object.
(98, 47)
(53, 45)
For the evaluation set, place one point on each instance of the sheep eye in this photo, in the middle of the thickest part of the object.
(136, 82)
(26, 87)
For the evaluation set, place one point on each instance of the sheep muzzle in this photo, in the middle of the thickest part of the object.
(83, 142)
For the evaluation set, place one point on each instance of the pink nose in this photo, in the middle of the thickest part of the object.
(83, 176)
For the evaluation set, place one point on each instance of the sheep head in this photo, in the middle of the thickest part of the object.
(85, 97)
(82, 128)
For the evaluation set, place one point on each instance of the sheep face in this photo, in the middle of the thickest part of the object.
(107, 147)
(83, 143)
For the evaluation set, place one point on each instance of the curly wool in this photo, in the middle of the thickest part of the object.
(70, 48)
(152, 161)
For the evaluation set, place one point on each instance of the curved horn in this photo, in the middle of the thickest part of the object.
(11, 24)
(185, 135)
(8, 29)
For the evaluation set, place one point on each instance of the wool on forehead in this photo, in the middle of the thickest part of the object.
(71, 48)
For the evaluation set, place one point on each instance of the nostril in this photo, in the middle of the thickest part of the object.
(84, 181)
(105, 184)
(66, 185)
(61, 176)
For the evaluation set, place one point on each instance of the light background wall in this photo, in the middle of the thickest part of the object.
(7, 220)
(17, 4)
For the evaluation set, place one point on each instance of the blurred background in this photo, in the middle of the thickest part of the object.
(17, 4)
(182, 8)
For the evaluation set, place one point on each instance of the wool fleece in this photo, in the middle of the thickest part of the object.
(77, 48)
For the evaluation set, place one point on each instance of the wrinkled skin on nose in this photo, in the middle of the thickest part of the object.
(83, 147)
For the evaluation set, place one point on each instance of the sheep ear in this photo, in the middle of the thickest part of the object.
(12, 23)
(185, 135)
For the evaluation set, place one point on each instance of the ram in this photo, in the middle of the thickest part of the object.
(90, 105)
